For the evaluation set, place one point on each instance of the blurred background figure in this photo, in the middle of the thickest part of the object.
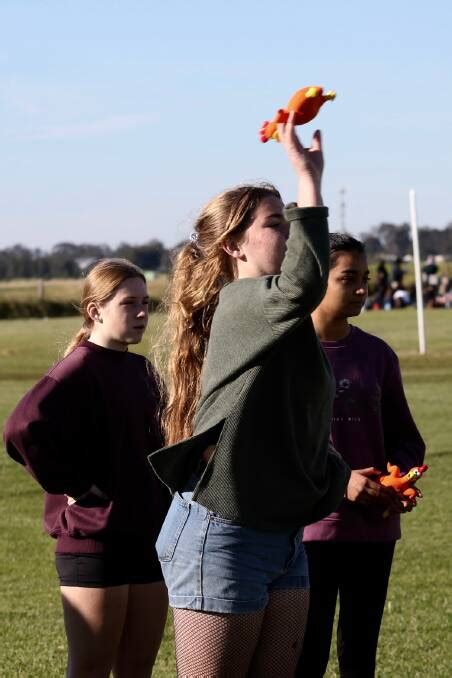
(381, 285)
(444, 297)
(397, 273)
(430, 281)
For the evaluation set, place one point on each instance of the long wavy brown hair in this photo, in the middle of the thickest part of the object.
(99, 286)
(201, 268)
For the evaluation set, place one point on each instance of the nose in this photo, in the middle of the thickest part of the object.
(142, 313)
(361, 291)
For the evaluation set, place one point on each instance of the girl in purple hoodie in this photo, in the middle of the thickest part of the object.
(84, 432)
(350, 551)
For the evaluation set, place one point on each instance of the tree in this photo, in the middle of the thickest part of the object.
(372, 243)
(152, 256)
(395, 239)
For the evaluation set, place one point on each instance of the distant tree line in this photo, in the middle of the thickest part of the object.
(67, 260)
(395, 240)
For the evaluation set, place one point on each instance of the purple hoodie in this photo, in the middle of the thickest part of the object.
(92, 420)
(372, 425)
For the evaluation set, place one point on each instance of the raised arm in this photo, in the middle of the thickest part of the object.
(257, 310)
(302, 283)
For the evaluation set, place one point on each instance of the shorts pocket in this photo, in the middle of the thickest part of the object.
(171, 530)
(215, 518)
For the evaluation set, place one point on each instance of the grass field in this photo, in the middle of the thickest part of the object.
(62, 289)
(416, 637)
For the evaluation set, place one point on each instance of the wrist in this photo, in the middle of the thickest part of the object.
(309, 197)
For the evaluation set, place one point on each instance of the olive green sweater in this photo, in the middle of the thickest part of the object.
(266, 398)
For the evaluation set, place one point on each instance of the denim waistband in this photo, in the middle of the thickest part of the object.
(185, 499)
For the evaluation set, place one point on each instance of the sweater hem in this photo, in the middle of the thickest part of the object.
(66, 544)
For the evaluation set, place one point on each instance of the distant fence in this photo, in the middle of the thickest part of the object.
(36, 309)
(55, 298)
(43, 308)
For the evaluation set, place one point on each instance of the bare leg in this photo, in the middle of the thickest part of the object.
(94, 619)
(281, 636)
(215, 645)
(143, 629)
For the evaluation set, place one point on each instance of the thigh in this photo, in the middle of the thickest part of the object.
(143, 628)
(362, 596)
(94, 619)
(324, 565)
(211, 644)
(281, 634)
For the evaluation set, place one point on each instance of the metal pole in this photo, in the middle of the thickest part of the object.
(342, 211)
(417, 272)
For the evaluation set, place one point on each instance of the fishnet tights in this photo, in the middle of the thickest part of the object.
(262, 645)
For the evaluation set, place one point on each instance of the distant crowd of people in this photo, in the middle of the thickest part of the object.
(391, 292)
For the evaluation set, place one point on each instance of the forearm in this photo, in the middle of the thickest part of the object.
(403, 443)
(309, 194)
(58, 479)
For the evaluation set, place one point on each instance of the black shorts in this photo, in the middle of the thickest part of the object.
(112, 568)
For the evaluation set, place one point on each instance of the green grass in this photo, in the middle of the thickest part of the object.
(416, 633)
(29, 289)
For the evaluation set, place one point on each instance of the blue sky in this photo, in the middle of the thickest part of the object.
(119, 119)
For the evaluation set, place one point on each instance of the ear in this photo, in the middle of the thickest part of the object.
(233, 248)
(93, 311)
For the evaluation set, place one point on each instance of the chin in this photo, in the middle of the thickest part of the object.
(355, 310)
(135, 338)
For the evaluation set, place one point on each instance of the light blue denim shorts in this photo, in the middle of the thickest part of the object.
(212, 564)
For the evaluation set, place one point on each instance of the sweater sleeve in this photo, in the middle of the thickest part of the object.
(159, 399)
(403, 443)
(302, 283)
(46, 434)
(338, 474)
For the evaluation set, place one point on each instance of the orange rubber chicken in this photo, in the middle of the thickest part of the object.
(306, 103)
(404, 484)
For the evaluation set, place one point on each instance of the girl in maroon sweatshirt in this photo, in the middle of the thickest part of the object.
(84, 432)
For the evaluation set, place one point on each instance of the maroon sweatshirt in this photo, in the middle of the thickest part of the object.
(92, 421)
(372, 424)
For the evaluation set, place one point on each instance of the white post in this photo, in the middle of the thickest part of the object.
(417, 272)
(40, 289)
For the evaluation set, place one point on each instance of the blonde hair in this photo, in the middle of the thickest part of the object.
(202, 267)
(99, 286)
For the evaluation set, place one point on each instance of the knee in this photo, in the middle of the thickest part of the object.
(89, 667)
(136, 667)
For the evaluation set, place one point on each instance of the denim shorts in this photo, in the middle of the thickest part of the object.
(212, 564)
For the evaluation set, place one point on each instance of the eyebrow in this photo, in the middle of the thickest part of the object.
(353, 270)
(275, 216)
(131, 296)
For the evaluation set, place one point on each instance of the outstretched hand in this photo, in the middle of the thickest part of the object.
(307, 162)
